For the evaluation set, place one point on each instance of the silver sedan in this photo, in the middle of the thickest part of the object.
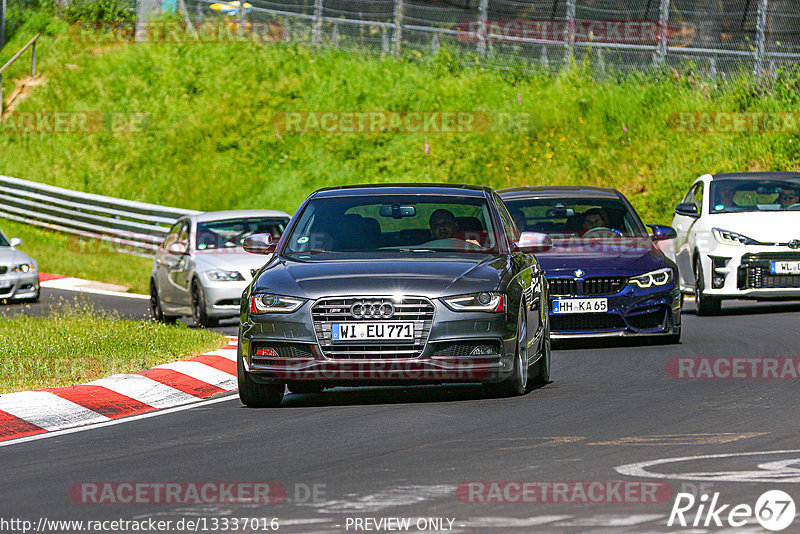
(19, 273)
(200, 269)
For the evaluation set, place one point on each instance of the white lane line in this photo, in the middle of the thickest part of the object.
(113, 422)
(611, 520)
(77, 285)
(511, 522)
(144, 390)
(228, 354)
(47, 410)
(202, 372)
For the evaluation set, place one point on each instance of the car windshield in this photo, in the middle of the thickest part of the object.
(565, 217)
(755, 195)
(230, 233)
(3, 241)
(394, 223)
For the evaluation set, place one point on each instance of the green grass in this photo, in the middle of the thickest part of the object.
(90, 259)
(193, 124)
(75, 343)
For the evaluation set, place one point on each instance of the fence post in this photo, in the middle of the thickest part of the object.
(384, 41)
(435, 44)
(2, 23)
(316, 32)
(398, 26)
(483, 30)
(569, 32)
(761, 37)
(33, 61)
(663, 33)
(335, 35)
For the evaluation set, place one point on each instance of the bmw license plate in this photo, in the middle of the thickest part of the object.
(343, 332)
(785, 267)
(580, 306)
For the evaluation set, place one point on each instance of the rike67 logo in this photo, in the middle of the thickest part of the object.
(774, 510)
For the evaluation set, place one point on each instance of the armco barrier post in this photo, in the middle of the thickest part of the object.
(398, 26)
(483, 30)
(316, 32)
(569, 32)
(663, 33)
(761, 37)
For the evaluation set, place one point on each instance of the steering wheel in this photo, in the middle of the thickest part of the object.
(602, 230)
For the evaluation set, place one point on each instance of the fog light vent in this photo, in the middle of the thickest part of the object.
(267, 351)
(483, 350)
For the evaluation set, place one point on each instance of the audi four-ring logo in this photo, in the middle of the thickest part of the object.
(372, 310)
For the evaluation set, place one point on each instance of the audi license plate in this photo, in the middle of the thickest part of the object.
(580, 306)
(344, 332)
(785, 267)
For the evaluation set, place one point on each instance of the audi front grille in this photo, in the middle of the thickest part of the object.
(327, 311)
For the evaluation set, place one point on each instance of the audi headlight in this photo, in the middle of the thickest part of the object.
(484, 301)
(661, 277)
(23, 268)
(274, 304)
(732, 238)
(225, 276)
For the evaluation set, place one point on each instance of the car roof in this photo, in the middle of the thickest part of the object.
(236, 214)
(404, 188)
(548, 191)
(756, 176)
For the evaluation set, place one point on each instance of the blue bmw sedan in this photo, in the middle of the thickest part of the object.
(607, 275)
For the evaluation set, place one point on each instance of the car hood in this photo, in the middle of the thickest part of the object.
(426, 277)
(764, 226)
(617, 257)
(12, 256)
(230, 260)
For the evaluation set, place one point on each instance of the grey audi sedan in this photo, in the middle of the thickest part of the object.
(200, 269)
(395, 284)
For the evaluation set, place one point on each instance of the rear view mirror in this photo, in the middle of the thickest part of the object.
(176, 248)
(396, 211)
(532, 242)
(15, 242)
(259, 244)
(687, 208)
(662, 232)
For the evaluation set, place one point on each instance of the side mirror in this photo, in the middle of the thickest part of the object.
(531, 242)
(259, 244)
(662, 232)
(15, 242)
(687, 208)
(177, 248)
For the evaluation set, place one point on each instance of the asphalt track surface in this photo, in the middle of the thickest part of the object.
(379, 453)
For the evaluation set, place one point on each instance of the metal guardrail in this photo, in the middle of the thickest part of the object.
(31, 43)
(132, 227)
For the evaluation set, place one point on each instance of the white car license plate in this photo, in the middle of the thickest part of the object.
(343, 332)
(580, 306)
(785, 267)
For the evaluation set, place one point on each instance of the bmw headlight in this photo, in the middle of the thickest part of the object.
(23, 268)
(661, 277)
(732, 238)
(484, 301)
(270, 303)
(225, 276)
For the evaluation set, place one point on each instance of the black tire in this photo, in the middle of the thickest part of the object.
(255, 395)
(518, 383)
(199, 313)
(540, 371)
(304, 388)
(155, 306)
(705, 305)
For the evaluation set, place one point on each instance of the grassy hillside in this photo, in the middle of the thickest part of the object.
(193, 125)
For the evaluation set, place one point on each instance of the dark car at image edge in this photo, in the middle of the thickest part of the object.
(395, 284)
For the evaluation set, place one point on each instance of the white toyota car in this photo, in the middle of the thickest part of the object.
(739, 238)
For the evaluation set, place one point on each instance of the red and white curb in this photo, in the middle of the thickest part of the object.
(69, 283)
(27, 413)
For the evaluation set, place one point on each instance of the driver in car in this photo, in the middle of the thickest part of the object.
(593, 218)
(788, 197)
(445, 227)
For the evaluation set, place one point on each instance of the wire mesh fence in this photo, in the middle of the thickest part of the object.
(712, 36)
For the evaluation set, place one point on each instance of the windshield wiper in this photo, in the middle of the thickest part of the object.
(311, 251)
(415, 250)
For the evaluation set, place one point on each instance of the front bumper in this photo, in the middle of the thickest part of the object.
(223, 299)
(745, 273)
(446, 354)
(631, 312)
(19, 285)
